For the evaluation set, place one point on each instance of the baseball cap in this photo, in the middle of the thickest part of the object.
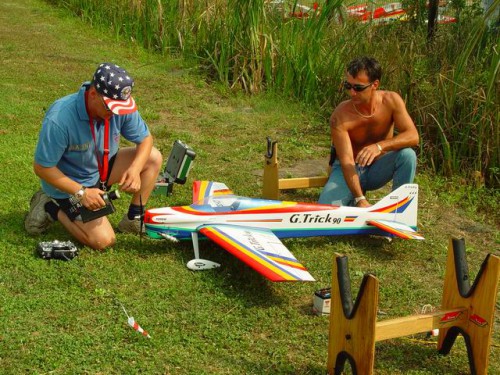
(115, 85)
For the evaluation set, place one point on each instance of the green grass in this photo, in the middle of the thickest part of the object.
(64, 318)
(255, 46)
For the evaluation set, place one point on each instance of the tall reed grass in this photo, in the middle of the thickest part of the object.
(452, 93)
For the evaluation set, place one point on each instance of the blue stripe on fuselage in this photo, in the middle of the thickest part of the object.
(154, 232)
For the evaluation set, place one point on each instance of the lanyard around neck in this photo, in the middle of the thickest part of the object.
(103, 167)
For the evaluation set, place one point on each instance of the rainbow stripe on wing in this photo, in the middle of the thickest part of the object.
(285, 261)
(271, 266)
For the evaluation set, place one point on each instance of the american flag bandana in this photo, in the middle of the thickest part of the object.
(115, 85)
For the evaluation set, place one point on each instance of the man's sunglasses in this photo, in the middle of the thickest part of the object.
(104, 104)
(356, 87)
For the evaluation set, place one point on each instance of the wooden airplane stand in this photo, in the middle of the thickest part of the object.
(273, 184)
(465, 310)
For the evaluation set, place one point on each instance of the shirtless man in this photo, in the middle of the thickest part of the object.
(368, 152)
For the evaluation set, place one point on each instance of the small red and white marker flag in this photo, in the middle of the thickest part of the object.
(137, 327)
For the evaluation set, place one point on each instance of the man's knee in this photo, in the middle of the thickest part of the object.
(335, 192)
(406, 166)
(407, 156)
(155, 159)
(102, 241)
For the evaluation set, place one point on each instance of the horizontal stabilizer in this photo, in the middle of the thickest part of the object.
(397, 229)
(260, 249)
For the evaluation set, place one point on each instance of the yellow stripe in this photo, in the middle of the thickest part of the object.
(203, 189)
(287, 262)
(271, 206)
(188, 208)
(399, 204)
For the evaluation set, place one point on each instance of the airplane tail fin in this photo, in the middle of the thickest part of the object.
(207, 189)
(402, 202)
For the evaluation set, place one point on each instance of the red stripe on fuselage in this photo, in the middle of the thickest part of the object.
(277, 210)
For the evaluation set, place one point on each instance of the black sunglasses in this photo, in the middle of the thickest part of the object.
(104, 104)
(356, 87)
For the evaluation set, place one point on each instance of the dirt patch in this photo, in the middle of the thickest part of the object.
(306, 168)
(303, 168)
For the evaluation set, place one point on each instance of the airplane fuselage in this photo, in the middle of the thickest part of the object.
(284, 219)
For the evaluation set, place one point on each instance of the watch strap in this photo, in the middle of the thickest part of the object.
(80, 193)
(359, 199)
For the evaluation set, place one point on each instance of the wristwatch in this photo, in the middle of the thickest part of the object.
(359, 199)
(80, 193)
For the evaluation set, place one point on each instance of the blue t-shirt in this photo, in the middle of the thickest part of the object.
(66, 142)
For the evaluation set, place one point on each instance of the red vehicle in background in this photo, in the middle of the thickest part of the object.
(363, 12)
(386, 13)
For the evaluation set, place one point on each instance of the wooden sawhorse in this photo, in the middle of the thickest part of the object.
(467, 310)
(272, 184)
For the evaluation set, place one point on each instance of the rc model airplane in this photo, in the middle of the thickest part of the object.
(251, 228)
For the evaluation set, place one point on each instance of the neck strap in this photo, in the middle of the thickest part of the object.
(102, 166)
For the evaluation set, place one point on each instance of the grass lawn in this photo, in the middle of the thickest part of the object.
(67, 317)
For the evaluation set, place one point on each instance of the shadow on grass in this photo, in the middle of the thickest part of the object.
(370, 246)
(416, 353)
(234, 278)
(231, 273)
(273, 362)
(14, 233)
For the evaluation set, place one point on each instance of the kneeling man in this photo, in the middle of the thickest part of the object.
(372, 138)
(78, 158)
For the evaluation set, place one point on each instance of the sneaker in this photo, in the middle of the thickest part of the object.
(37, 220)
(130, 226)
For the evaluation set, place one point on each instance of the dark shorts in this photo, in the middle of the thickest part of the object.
(69, 209)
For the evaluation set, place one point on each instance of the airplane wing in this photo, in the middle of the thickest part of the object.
(397, 229)
(260, 249)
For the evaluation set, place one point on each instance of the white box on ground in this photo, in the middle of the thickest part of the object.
(321, 301)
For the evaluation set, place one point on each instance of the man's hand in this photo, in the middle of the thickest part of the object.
(363, 203)
(368, 154)
(130, 181)
(92, 199)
